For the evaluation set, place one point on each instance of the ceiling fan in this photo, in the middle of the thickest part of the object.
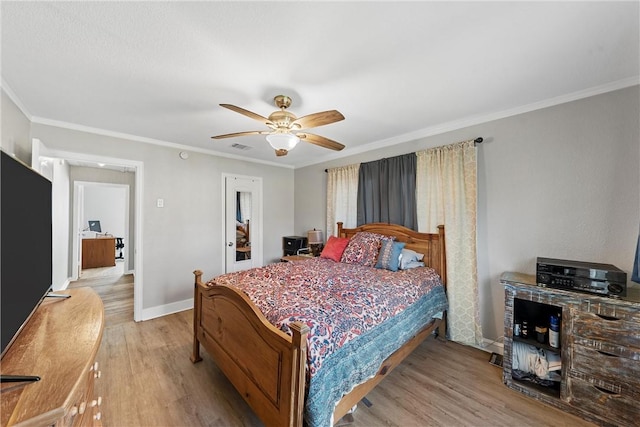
(285, 127)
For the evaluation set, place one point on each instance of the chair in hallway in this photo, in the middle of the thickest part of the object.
(119, 246)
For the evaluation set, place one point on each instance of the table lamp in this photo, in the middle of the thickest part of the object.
(316, 241)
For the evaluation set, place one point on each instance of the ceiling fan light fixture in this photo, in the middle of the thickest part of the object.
(282, 141)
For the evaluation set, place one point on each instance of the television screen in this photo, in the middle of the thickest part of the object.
(26, 245)
(95, 226)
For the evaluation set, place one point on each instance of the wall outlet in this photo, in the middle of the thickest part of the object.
(160, 203)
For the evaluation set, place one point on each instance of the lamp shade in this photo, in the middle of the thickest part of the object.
(282, 141)
(315, 237)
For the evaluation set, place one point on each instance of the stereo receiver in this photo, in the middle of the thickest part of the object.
(602, 279)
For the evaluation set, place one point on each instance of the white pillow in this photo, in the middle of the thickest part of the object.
(407, 257)
(413, 264)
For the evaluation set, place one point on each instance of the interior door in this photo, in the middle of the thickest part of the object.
(243, 222)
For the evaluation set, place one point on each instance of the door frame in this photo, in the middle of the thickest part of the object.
(79, 187)
(259, 245)
(138, 167)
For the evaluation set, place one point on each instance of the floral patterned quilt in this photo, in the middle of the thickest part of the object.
(340, 303)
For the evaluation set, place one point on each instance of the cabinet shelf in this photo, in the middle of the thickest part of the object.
(538, 344)
(552, 391)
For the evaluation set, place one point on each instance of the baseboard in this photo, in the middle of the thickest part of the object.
(491, 346)
(164, 310)
(64, 286)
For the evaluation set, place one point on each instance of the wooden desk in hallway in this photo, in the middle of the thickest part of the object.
(99, 252)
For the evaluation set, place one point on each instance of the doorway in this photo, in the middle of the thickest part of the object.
(101, 217)
(242, 222)
(40, 153)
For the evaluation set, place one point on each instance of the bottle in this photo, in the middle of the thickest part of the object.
(554, 331)
(541, 334)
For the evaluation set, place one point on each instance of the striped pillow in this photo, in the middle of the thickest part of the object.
(389, 257)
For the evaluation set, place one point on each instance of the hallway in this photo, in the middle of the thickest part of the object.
(114, 288)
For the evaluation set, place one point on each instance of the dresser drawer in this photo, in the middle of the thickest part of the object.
(85, 409)
(616, 327)
(617, 407)
(612, 308)
(605, 364)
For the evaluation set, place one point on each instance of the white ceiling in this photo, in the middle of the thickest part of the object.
(156, 71)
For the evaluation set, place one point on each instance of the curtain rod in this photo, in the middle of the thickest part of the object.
(476, 141)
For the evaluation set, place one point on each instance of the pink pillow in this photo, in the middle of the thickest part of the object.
(334, 248)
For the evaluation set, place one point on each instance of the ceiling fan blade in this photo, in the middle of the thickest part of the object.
(320, 141)
(281, 152)
(247, 113)
(318, 119)
(231, 135)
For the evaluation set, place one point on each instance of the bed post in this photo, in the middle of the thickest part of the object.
(339, 234)
(298, 376)
(195, 355)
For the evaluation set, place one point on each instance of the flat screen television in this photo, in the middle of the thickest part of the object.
(26, 245)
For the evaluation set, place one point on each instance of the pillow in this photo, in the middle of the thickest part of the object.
(334, 248)
(389, 256)
(408, 256)
(413, 264)
(363, 249)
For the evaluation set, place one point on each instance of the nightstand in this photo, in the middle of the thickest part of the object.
(295, 258)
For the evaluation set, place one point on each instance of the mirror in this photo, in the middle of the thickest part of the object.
(243, 221)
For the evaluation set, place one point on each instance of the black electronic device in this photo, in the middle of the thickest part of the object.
(591, 277)
(26, 245)
(292, 244)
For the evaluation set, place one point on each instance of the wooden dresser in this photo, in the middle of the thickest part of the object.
(99, 252)
(59, 344)
(599, 350)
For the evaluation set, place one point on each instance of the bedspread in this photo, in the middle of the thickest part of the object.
(350, 310)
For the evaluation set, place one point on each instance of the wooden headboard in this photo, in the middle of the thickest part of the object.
(431, 245)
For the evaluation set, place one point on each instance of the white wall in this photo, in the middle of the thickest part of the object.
(187, 233)
(561, 182)
(61, 210)
(107, 204)
(15, 130)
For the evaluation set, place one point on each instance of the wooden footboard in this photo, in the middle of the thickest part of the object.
(264, 364)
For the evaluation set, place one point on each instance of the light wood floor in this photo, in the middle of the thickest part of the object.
(148, 380)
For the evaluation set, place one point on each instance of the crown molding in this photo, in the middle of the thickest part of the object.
(12, 95)
(121, 135)
(475, 120)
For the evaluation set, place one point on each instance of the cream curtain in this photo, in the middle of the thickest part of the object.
(446, 191)
(342, 197)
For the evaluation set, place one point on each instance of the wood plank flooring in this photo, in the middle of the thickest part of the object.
(148, 380)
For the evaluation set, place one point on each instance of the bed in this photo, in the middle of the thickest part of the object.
(279, 370)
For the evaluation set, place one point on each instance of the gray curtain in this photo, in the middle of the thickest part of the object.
(387, 191)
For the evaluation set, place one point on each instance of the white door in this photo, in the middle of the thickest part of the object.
(243, 222)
